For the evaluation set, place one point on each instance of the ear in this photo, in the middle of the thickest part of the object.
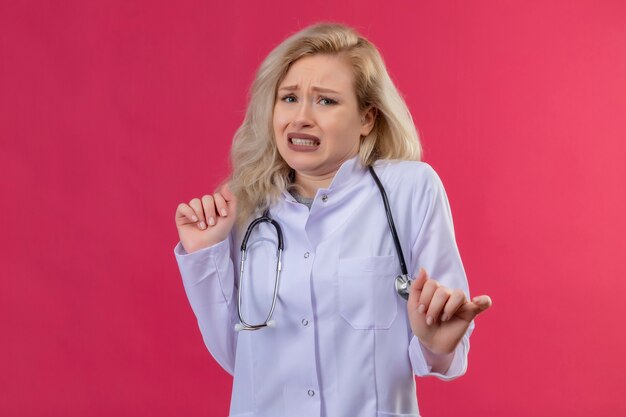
(367, 120)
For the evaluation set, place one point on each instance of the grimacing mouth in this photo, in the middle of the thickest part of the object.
(304, 141)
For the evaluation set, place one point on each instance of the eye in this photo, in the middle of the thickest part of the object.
(290, 98)
(287, 97)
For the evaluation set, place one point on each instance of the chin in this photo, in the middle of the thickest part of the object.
(304, 164)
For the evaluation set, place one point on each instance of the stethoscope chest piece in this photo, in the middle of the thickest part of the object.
(403, 286)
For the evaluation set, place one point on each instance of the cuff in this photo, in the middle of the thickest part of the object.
(193, 266)
(457, 368)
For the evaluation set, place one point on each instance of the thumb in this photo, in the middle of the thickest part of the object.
(227, 193)
(230, 198)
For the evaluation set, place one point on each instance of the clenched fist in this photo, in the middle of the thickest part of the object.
(206, 221)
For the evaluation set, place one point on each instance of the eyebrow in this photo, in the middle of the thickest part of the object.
(314, 88)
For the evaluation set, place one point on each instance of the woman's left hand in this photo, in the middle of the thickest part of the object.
(439, 315)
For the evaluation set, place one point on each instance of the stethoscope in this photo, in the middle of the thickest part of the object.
(402, 282)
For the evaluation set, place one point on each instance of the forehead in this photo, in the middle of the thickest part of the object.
(327, 71)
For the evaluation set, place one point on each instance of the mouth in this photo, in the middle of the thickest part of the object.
(304, 142)
(301, 142)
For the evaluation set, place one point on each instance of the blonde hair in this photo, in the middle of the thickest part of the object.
(260, 174)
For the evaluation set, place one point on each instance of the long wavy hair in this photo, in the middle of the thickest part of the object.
(259, 173)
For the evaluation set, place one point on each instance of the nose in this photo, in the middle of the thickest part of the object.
(303, 116)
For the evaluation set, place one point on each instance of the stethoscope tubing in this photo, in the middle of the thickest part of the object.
(243, 325)
(402, 283)
(392, 226)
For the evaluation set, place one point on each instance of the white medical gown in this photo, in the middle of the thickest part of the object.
(342, 345)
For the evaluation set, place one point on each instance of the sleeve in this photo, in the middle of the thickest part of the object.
(209, 282)
(434, 248)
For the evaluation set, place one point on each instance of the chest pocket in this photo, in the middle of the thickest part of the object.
(367, 296)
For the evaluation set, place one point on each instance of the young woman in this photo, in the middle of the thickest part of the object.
(318, 328)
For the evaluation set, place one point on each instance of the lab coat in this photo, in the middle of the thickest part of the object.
(342, 344)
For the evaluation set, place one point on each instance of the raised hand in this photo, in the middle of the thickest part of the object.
(206, 221)
(440, 316)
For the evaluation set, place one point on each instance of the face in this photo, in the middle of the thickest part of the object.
(317, 125)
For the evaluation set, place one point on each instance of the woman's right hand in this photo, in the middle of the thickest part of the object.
(206, 221)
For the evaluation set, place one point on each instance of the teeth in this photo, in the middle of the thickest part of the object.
(304, 142)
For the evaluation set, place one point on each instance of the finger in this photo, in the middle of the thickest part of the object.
(196, 205)
(471, 309)
(420, 280)
(456, 300)
(185, 214)
(437, 303)
(427, 294)
(415, 289)
(483, 302)
(220, 204)
(208, 205)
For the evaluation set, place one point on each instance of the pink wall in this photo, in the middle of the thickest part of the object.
(113, 112)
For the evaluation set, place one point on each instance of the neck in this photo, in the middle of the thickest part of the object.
(309, 184)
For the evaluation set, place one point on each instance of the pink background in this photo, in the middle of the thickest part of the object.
(113, 112)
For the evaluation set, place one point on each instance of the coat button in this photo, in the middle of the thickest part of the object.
(311, 393)
(306, 254)
(305, 322)
(325, 198)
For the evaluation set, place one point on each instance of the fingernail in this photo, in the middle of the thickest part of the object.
(429, 320)
(194, 218)
(211, 221)
(202, 225)
(444, 318)
(224, 212)
(421, 308)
